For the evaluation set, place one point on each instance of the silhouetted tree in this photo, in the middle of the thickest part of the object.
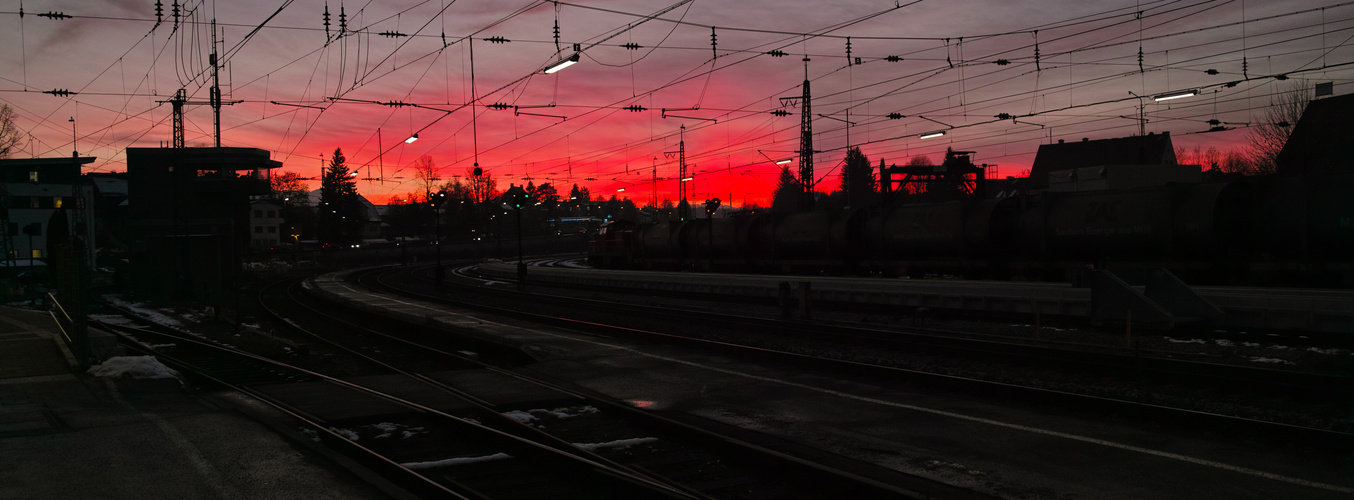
(789, 194)
(340, 215)
(11, 138)
(857, 179)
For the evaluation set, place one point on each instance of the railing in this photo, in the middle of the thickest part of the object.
(73, 333)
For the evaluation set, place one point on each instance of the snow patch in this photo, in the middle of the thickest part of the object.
(454, 461)
(390, 429)
(151, 314)
(566, 412)
(1272, 360)
(619, 443)
(350, 435)
(133, 367)
(1319, 350)
(520, 416)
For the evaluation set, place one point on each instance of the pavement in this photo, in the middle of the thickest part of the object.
(67, 434)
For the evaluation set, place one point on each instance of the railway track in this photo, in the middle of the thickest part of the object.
(417, 442)
(686, 458)
(1134, 363)
(603, 317)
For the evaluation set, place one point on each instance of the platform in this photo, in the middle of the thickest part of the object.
(1308, 310)
(72, 435)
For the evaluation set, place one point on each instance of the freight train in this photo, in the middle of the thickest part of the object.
(1264, 230)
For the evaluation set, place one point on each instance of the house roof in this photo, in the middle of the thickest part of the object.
(1320, 141)
(1148, 149)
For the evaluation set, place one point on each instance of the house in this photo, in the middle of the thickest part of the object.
(1061, 161)
(32, 190)
(265, 222)
(1322, 140)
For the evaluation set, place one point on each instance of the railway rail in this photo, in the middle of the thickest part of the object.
(1133, 362)
(602, 317)
(442, 456)
(683, 457)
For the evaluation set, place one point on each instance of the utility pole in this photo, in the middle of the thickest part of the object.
(681, 182)
(180, 99)
(682, 213)
(216, 87)
(806, 143)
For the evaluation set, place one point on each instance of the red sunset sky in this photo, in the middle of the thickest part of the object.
(960, 64)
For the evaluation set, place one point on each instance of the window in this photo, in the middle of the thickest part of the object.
(272, 214)
(272, 229)
(36, 254)
(32, 202)
(258, 229)
(32, 176)
(258, 214)
(56, 202)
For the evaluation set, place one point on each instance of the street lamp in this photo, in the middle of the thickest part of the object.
(1176, 95)
(932, 135)
(411, 138)
(562, 63)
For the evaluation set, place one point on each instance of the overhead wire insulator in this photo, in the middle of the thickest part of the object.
(343, 21)
(714, 43)
(893, 58)
(174, 11)
(1003, 62)
(632, 46)
(1214, 122)
(498, 105)
(1004, 116)
(60, 92)
(391, 34)
(326, 20)
(396, 104)
(895, 116)
(780, 112)
(1140, 70)
(1036, 51)
(777, 53)
(497, 39)
(55, 15)
(159, 12)
(635, 108)
(1211, 71)
(848, 51)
